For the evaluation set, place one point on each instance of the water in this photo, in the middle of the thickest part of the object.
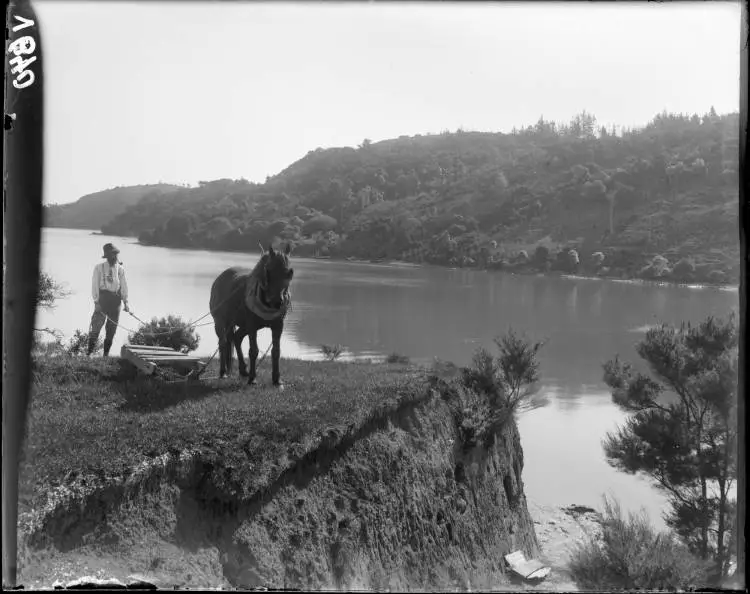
(374, 310)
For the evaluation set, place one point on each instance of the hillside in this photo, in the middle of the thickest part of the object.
(95, 210)
(657, 202)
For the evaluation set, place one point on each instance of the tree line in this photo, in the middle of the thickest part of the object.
(657, 202)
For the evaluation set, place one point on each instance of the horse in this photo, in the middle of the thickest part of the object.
(244, 301)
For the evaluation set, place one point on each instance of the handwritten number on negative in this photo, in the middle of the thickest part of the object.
(20, 47)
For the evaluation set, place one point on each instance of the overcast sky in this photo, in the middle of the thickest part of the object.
(181, 92)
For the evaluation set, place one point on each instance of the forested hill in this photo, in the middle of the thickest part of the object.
(95, 210)
(661, 201)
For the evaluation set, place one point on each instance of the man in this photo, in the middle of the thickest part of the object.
(109, 290)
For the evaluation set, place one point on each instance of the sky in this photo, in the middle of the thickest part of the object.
(178, 92)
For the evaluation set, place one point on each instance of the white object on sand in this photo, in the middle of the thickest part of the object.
(527, 569)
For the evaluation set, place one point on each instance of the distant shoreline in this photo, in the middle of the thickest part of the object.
(406, 264)
(521, 272)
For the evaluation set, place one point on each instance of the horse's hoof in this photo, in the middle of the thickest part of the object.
(244, 373)
(251, 382)
(278, 385)
(222, 376)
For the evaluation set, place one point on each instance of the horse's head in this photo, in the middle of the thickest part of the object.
(275, 276)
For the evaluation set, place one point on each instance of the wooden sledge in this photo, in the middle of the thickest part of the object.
(527, 569)
(146, 358)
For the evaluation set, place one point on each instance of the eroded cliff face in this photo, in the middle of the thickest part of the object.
(403, 505)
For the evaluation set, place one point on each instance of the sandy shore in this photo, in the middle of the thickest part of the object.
(558, 531)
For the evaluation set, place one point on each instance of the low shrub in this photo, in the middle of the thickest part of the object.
(331, 352)
(172, 332)
(488, 392)
(506, 379)
(78, 343)
(396, 358)
(632, 555)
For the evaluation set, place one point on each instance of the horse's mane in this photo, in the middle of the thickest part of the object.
(255, 273)
(264, 259)
(259, 265)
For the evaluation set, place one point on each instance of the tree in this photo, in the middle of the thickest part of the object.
(406, 185)
(683, 431)
(657, 268)
(277, 227)
(320, 223)
(178, 227)
(684, 269)
(541, 258)
(218, 226)
(583, 125)
(505, 382)
(49, 291)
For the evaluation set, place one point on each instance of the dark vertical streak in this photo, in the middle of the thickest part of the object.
(22, 221)
(741, 478)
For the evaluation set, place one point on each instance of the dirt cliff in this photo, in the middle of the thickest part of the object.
(400, 504)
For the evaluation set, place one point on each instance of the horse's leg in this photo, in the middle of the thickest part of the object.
(276, 330)
(239, 334)
(228, 347)
(253, 334)
(221, 335)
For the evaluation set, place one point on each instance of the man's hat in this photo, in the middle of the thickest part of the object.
(109, 249)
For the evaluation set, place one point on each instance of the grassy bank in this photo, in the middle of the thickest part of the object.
(91, 417)
(352, 476)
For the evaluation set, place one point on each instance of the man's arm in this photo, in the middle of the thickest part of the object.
(95, 284)
(124, 288)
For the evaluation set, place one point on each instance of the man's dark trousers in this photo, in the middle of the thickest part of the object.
(110, 307)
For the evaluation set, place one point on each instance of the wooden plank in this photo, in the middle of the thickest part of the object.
(147, 352)
(141, 347)
(169, 358)
(145, 366)
(182, 365)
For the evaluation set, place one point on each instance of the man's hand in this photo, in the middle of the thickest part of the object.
(126, 307)
(97, 307)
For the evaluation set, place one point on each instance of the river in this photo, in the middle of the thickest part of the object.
(427, 312)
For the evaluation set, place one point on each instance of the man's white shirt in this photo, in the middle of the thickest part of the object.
(109, 278)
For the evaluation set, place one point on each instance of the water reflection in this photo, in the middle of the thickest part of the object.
(572, 303)
(596, 300)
